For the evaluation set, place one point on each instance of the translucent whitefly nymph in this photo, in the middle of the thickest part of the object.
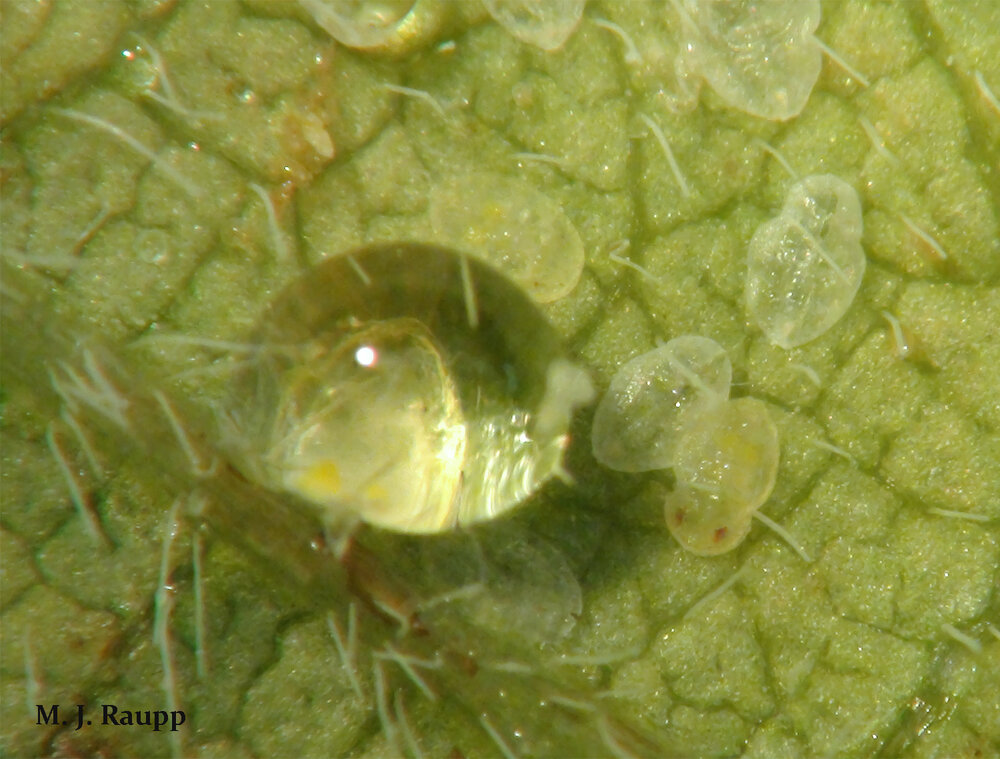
(408, 386)
(509, 223)
(726, 466)
(383, 25)
(758, 55)
(652, 397)
(546, 24)
(805, 265)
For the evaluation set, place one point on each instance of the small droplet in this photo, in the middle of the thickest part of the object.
(652, 397)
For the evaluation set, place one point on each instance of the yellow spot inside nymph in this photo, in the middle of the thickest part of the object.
(376, 492)
(319, 481)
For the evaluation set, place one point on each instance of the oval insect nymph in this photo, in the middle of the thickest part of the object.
(650, 399)
(726, 466)
(805, 265)
(758, 55)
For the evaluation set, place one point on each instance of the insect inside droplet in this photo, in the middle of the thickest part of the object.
(426, 393)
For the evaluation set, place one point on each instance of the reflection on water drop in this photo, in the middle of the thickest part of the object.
(366, 355)
(382, 397)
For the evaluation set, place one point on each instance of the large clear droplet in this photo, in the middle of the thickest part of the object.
(407, 385)
(804, 266)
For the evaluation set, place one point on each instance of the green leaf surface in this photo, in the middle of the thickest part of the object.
(169, 166)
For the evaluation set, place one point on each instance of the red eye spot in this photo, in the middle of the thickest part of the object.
(679, 517)
(720, 534)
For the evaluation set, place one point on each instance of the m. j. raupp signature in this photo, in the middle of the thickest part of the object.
(112, 715)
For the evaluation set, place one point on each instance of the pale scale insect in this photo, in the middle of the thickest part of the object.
(546, 24)
(805, 265)
(394, 26)
(358, 23)
(652, 396)
(726, 467)
(510, 224)
(759, 56)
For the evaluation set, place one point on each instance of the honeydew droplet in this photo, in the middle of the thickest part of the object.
(805, 266)
(758, 55)
(726, 466)
(652, 397)
(513, 226)
(546, 24)
(381, 400)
